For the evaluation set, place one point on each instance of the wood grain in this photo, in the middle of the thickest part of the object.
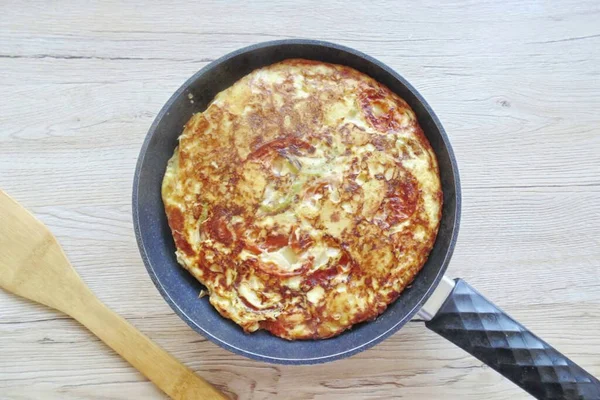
(34, 266)
(515, 84)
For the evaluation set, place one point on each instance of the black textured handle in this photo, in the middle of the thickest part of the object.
(473, 323)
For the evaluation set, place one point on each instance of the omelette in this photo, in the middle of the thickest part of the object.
(305, 198)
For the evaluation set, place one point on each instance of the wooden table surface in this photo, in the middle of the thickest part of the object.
(516, 85)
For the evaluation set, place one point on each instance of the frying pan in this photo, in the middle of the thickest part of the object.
(451, 308)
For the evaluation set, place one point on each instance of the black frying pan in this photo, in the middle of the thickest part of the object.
(453, 309)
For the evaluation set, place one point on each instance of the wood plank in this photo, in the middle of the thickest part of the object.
(514, 83)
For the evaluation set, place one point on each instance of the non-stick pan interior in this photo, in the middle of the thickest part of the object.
(181, 290)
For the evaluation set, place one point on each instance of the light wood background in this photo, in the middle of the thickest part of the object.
(516, 84)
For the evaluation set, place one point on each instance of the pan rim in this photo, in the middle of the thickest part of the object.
(287, 360)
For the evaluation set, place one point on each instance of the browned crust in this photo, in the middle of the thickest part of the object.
(244, 146)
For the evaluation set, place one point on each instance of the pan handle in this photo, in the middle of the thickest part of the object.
(460, 314)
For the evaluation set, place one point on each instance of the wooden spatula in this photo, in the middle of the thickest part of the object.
(34, 266)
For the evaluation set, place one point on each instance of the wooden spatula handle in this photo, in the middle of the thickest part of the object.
(33, 265)
(172, 377)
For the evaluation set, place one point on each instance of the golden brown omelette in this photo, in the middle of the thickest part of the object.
(305, 198)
